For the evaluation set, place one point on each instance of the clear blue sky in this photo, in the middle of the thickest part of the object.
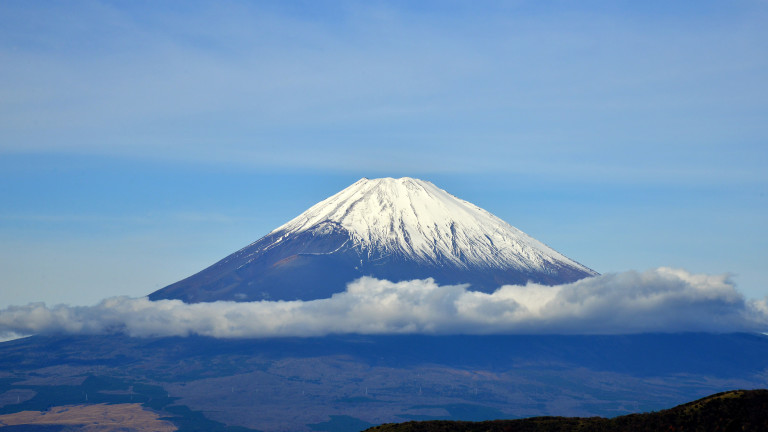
(143, 141)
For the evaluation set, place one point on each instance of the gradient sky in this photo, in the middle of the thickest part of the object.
(143, 141)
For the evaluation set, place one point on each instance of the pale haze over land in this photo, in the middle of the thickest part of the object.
(140, 143)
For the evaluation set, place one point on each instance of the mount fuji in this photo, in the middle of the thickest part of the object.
(394, 229)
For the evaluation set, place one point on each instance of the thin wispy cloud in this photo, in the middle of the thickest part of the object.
(661, 300)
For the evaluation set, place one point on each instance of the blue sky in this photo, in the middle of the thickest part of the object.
(141, 142)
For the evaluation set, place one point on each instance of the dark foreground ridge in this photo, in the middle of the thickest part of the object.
(738, 410)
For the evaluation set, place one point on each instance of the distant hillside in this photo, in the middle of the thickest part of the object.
(739, 410)
(352, 382)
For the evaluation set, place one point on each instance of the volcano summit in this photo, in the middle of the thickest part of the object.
(394, 229)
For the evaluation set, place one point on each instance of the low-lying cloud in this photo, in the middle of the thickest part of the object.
(661, 300)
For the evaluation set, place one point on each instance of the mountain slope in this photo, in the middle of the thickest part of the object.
(324, 384)
(396, 229)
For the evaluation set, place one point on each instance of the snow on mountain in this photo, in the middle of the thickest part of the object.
(416, 219)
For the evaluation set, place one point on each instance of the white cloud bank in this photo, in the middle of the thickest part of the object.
(661, 300)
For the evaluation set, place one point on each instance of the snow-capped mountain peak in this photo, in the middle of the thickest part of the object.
(394, 229)
(416, 219)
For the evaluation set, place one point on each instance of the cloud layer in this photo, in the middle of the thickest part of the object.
(661, 300)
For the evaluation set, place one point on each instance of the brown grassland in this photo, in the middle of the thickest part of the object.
(93, 418)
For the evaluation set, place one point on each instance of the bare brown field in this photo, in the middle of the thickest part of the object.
(93, 418)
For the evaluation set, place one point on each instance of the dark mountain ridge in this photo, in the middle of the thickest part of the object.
(737, 410)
